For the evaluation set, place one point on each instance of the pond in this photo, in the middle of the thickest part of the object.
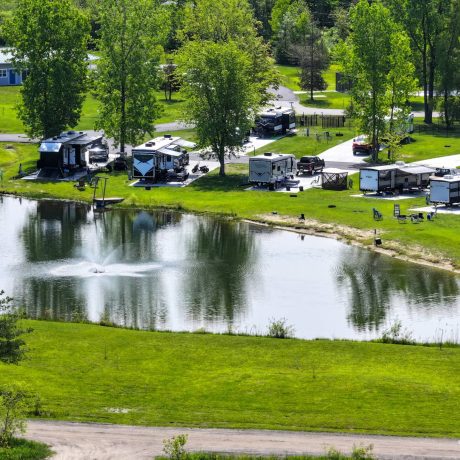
(168, 270)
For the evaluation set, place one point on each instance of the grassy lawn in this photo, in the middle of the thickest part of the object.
(426, 146)
(290, 76)
(93, 373)
(9, 122)
(326, 100)
(22, 449)
(313, 144)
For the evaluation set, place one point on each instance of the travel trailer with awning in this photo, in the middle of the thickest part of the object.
(68, 151)
(398, 176)
(275, 121)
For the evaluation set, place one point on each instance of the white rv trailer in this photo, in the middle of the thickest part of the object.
(159, 154)
(445, 190)
(270, 168)
(394, 177)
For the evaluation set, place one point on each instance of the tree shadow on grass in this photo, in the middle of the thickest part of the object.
(214, 182)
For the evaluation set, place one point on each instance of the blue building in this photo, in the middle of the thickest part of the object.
(8, 75)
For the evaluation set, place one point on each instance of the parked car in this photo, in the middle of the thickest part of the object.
(98, 154)
(361, 145)
(310, 165)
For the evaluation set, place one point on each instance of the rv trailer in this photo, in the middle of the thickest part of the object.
(153, 159)
(445, 190)
(275, 121)
(68, 151)
(270, 168)
(389, 178)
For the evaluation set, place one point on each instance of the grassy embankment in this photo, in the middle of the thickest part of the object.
(351, 217)
(22, 449)
(10, 123)
(91, 373)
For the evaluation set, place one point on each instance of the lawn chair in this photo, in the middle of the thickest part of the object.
(377, 215)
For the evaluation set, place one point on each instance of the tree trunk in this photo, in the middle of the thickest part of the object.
(123, 118)
(446, 107)
(221, 156)
(431, 76)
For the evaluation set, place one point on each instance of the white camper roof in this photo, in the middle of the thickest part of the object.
(272, 157)
(156, 144)
(447, 178)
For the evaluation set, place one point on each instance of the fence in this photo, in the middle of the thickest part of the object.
(325, 121)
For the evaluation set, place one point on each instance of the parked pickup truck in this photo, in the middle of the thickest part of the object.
(310, 165)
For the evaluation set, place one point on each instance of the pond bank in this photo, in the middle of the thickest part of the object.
(97, 374)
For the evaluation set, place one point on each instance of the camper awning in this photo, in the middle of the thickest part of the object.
(184, 143)
(172, 153)
(53, 147)
(417, 169)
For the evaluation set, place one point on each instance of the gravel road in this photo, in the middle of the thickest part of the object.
(116, 442)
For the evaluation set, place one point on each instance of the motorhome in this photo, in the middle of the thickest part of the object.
(271, 168)
(275, 121)
(395, 177)
(155, 157)
(445, 190)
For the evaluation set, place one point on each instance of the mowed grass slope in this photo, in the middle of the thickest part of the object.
(93, 373)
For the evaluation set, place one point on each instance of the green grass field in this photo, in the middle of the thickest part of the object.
(99, 374)
(10, 123)
(313, 144)
(22, 449)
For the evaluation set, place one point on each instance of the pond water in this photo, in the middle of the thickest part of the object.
(167, 270)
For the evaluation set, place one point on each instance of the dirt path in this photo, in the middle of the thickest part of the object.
(116, 442)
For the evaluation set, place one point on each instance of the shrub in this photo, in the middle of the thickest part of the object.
(279, 329)
(174, 447)
(396, 334)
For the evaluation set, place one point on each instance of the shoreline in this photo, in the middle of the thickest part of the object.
(345, 234)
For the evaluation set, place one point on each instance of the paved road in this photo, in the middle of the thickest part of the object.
(103, 442)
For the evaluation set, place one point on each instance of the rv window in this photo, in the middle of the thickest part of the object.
(279, 168)
(273, 167)
(168, 157)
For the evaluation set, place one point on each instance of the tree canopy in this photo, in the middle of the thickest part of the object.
(49, 40)
(131, 34)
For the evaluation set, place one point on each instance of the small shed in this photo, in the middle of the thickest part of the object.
(334, 179)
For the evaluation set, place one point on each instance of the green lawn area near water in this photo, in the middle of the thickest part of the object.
(10, 123)
(98, 374)
(437, 240)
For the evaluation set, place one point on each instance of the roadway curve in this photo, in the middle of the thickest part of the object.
(116, 442)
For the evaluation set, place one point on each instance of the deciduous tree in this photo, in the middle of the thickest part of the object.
(49, 40)
(131, 33)
(221, 96)
(376, 59)
(12, 345)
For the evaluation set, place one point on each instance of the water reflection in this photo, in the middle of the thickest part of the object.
(166, 270)
(374, 283)
(216, 287)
